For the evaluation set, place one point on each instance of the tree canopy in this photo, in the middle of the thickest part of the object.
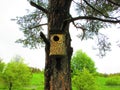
(16, 73)
(90, 17)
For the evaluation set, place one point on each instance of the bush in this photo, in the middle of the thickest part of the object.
(80, 61)
(2, 83)
(16, 73)
(113, 81)
(84, 80)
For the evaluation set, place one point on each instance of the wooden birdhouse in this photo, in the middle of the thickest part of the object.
(57, 45)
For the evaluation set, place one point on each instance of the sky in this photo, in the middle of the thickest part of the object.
(9, 33)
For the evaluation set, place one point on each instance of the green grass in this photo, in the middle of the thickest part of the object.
(101, 82)
(37, 83)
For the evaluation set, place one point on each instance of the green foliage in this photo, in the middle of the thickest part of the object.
(101, 82)
(80, 61)
(113, 81)
(16, 73)
(37, 83)
(30, 23)
(2, 83)
(31, 34)
(83, 69)
(2, 64)
(84, 80)
(95, 8)
(30, 26)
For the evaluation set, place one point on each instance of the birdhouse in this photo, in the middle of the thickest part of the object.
(57, 45)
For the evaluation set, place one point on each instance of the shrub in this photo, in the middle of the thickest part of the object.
(113, 81)
(84, 80)
(80, 61)
(16, 73)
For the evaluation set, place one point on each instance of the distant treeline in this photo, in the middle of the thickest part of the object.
(35, 70)
(109, 75)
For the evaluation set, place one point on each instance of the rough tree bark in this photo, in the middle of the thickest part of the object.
(57, 70)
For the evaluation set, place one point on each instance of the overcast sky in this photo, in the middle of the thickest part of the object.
(9, 33)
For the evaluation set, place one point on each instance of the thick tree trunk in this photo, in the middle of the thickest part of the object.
(57, 69)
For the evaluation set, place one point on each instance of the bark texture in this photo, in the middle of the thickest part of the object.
(57, 69)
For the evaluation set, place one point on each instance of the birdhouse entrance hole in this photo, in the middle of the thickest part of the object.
(56, 38)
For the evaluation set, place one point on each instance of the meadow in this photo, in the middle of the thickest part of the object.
(37, 83)
(101, 82)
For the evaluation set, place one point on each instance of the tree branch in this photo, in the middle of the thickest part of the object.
(80, 27)
(39, 7)
(44, 38)
(93, 18)
(97, 10)
(38, 25)
(94, 8)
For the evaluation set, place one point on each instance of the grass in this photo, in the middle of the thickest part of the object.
(37, 83)
(101, 82)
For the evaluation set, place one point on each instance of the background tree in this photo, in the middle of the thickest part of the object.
(83, 71)
(2, 64)
(80, 61)
(16, 73)
(91, 16)
(84, 80)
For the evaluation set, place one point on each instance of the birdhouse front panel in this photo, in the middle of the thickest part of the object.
(57, 44)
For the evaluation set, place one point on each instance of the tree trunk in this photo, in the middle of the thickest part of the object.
(57, 69)
(10, 86)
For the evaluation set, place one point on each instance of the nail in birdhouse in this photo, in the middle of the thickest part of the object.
(57, 45)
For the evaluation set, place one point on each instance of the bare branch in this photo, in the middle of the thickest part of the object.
(44, 38)
(39, 7)
(38, 25)
(93, 18)
(76, 2)
(75, 25)
(80, 27)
